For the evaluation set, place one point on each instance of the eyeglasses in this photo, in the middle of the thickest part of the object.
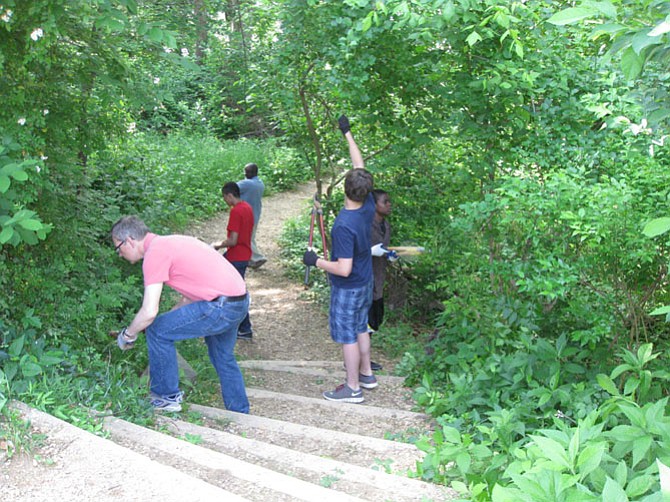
(117, 249)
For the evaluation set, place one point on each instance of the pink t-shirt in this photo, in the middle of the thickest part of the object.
(190, 267)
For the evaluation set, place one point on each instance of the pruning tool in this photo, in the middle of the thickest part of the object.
(316, 209)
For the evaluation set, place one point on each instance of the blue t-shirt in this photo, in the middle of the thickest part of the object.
(251, 192)
(350, 236)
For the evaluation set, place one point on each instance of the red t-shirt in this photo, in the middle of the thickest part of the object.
(241, 220)
(190, 267)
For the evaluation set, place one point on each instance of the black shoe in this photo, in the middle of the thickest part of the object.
(247, 335)
(376, 366)
(257, 264)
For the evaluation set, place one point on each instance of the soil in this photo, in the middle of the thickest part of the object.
(288, 326)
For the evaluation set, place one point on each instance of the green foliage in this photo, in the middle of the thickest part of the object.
(18, 225)
(637, 33)
(611, 449)
(175, 180)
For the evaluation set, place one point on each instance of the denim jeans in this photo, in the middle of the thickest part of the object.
(217, 321)
(241, 267)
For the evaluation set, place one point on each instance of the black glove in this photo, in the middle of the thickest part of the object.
(344, 124)
(310, 258)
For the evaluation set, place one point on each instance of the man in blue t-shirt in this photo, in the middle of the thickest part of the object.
(350, 271)
(251, 192)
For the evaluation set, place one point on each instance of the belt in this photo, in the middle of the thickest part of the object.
(231, 299)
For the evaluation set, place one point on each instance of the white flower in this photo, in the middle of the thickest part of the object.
(45, 111)
(167, 50)
(38, 168)
(131, 127)
(22, 121)
(157, 80)
(37, 34)
(7, 16)
(184, 51)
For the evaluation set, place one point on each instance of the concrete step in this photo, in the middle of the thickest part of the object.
(367, 420)
(338, 474)
(84, 466)
(246, 479)
(364, 451)
(312, 378)
(315, 368)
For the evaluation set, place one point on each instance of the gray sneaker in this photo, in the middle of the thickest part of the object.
(345, 394)
(367, 381)
(167, 403)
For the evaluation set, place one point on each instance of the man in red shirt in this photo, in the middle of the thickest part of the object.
(238, 242)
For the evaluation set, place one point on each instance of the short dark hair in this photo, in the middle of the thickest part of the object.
(250, 170)
(357, 184)
(232, 188)
(129, 227)
(377, 193)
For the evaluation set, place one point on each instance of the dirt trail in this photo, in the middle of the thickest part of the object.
(286, 325)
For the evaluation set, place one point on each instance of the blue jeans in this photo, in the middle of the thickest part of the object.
(241, 267)
(217, 321)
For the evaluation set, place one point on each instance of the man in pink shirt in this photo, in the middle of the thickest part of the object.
(214, 301)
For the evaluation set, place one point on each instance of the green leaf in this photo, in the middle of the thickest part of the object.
(30, 369)
(606, 383)
(604, 7)
(640, 449)
(451, 435)
(590, 458)
(16, 347)
(642, 40)
(571, 16)
(506, 494)
(644, 353)
(631, 64)
(473, 38)
(463, 461)
(657, 226)
(553, 450)
(5, 183)
(155, 35)
(660, 29)
(626, 433)
(619, 370)
(613, 492)
(573, 447)
(20, 175)
(6, 235)
(31, 224)
(639, 485)
(660, 310)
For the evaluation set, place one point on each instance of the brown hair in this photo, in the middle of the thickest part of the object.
(357, 184)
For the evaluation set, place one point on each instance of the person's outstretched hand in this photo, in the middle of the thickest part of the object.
(343, 121)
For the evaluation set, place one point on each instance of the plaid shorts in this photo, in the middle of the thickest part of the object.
(348, 314)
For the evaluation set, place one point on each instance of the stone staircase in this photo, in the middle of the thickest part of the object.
(291, 448)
